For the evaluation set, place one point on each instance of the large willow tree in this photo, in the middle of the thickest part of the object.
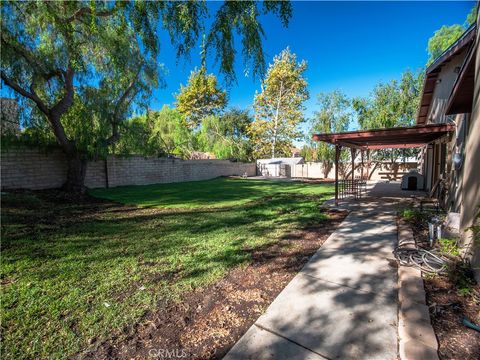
(83, 65)
(447, 35)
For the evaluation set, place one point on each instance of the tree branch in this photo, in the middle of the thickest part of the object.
(53, 115)
(21, 51)
(28, 94)
(119, 105)
(37, 66)
(66, 101)
(86, 10)
(125, 94)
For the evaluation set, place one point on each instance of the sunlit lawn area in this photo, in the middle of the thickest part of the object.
(76, 273)
(219, 192)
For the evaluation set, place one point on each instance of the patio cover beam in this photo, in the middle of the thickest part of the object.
(401, 137)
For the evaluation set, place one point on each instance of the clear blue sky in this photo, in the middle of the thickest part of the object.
(348, 45)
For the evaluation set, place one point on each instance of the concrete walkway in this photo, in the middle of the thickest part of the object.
(342, 304)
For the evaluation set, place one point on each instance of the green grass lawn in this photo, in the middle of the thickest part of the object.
(219, 192)
(76, 273)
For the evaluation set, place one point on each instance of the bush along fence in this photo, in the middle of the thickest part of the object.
(35, 169)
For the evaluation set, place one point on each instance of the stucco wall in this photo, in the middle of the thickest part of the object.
(34, 169)
(456, 145)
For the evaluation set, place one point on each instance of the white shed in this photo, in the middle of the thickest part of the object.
(278, 167)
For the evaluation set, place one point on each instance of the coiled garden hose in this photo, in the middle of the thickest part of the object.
(425, 260)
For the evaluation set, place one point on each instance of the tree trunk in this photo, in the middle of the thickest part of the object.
(275, 129)
(275, 126)
(76, 161)
(77, 166)
(327, 166)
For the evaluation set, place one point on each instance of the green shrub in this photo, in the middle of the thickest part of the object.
(408, 214)
(449, 247)
(411, 214)
(461, 274)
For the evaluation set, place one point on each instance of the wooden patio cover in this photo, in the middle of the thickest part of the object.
(401, 137)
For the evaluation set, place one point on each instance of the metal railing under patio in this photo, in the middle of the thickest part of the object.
(348, 187)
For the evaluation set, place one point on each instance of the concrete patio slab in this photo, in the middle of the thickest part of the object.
(342, 304)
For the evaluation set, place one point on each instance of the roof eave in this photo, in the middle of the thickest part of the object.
(434, 69)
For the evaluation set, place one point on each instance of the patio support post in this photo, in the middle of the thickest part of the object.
(352, 152)
(361, 161)
(337, 156)
(353, 188)
(368, 164)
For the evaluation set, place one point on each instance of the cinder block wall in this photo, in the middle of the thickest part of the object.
(95, 174)
(137, 170)
(34, 169)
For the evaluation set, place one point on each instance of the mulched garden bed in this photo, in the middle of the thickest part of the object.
(448, 308)
(447, 311)
(208, 322)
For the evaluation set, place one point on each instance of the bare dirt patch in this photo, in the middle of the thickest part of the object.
(208, 322)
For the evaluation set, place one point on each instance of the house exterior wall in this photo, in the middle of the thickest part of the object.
(35, 169)
(453, 201)
(471, 173)
(427, 166)
(462, 183)
(437, 164)
(443, 89)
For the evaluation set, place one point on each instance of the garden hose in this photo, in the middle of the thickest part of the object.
(425, 260)
(470, 325)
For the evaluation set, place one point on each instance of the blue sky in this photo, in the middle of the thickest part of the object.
(348, 45)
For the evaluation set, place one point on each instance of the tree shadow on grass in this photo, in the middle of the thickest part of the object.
(196, 239)
(65, 261)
